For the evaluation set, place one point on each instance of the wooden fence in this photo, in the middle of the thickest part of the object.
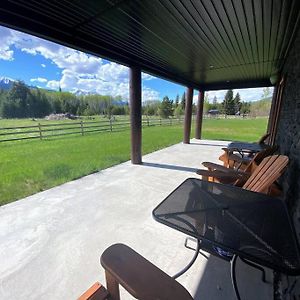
(45, 131)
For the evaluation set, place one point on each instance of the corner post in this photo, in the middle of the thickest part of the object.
(188, 115)
(135, 100)
(199, 115)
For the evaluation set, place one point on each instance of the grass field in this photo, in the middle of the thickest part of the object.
(27, 167)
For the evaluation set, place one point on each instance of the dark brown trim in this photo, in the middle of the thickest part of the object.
(188, 115)
(275, 111)
(135, 100)
(199, 115)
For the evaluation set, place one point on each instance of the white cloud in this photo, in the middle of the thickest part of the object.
(251, 94)
(6, 40)
(43, 65)
(39, 79)
(146, 76)
(53, 84)
(79, 71)
(149, 94)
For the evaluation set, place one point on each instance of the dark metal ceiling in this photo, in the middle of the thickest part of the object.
(208, 44)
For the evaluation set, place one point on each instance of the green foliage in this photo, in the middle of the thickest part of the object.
(166, 108)
(182, 103)
(178, 111)
(237, 103)
(228, 103)
(245, 108)
(261, 107)
(23, 102)
(150, 108)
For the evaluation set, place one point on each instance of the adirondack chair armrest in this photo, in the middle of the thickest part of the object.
(229, 177)
(212, 167)
(138, 276)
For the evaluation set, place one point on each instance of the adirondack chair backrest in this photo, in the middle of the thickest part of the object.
(266, 173)
(255, 162)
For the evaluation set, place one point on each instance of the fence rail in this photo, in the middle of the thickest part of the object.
(46, 131)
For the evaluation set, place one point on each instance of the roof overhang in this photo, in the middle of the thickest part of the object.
(204, 44)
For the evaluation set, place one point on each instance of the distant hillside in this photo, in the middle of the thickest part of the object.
(261, 107)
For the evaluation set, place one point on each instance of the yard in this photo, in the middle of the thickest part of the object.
(27, 167)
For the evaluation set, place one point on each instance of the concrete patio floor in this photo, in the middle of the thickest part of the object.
(50, 243)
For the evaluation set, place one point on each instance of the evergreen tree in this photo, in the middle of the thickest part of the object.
(237, 103)
(176, 101)
(183, 101)
(166, 107)
(228, 103)
(214, 103)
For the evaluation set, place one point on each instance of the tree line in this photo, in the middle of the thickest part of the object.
(24, 102)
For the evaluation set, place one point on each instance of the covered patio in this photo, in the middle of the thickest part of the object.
(52, 241)
(204, 45)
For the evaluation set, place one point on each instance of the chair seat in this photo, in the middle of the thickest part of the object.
(139, 277)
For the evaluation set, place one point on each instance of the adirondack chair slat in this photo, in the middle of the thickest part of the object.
(258, 173)
(266, 173)
(269, 174)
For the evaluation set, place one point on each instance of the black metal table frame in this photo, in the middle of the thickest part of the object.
(254, 262)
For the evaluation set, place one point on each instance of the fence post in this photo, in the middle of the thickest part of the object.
(40, 130)
(148, 121)
(160, 121)
(110, 123)
(81, 125)
(171, 121)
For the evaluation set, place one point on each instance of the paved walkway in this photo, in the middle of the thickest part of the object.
(50, 243)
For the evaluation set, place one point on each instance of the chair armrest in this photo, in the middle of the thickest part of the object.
(139, 277)
(212, 166)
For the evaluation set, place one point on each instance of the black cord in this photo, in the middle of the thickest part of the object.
(233, 277)
(190, 263)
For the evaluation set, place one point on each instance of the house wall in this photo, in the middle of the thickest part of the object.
(288, 139)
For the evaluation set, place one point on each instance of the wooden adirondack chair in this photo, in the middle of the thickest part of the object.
(255, 178)
(269, 170)
(143, 280)
(218, 173)
(229, 157)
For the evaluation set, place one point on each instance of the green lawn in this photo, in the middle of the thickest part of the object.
(27, 167)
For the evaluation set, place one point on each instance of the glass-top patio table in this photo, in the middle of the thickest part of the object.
(244, 147)
(251, 225)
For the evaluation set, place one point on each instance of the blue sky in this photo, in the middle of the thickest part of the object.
(45, 64)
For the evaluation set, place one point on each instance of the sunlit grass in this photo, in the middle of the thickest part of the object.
(30, 166)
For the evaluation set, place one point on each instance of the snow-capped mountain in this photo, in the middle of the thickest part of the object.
(6, 83)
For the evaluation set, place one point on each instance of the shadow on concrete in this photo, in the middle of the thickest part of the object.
(215, 282)
(170, 167)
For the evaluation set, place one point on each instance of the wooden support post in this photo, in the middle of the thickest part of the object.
(188, 115)
(199, 115)
(135, 99)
